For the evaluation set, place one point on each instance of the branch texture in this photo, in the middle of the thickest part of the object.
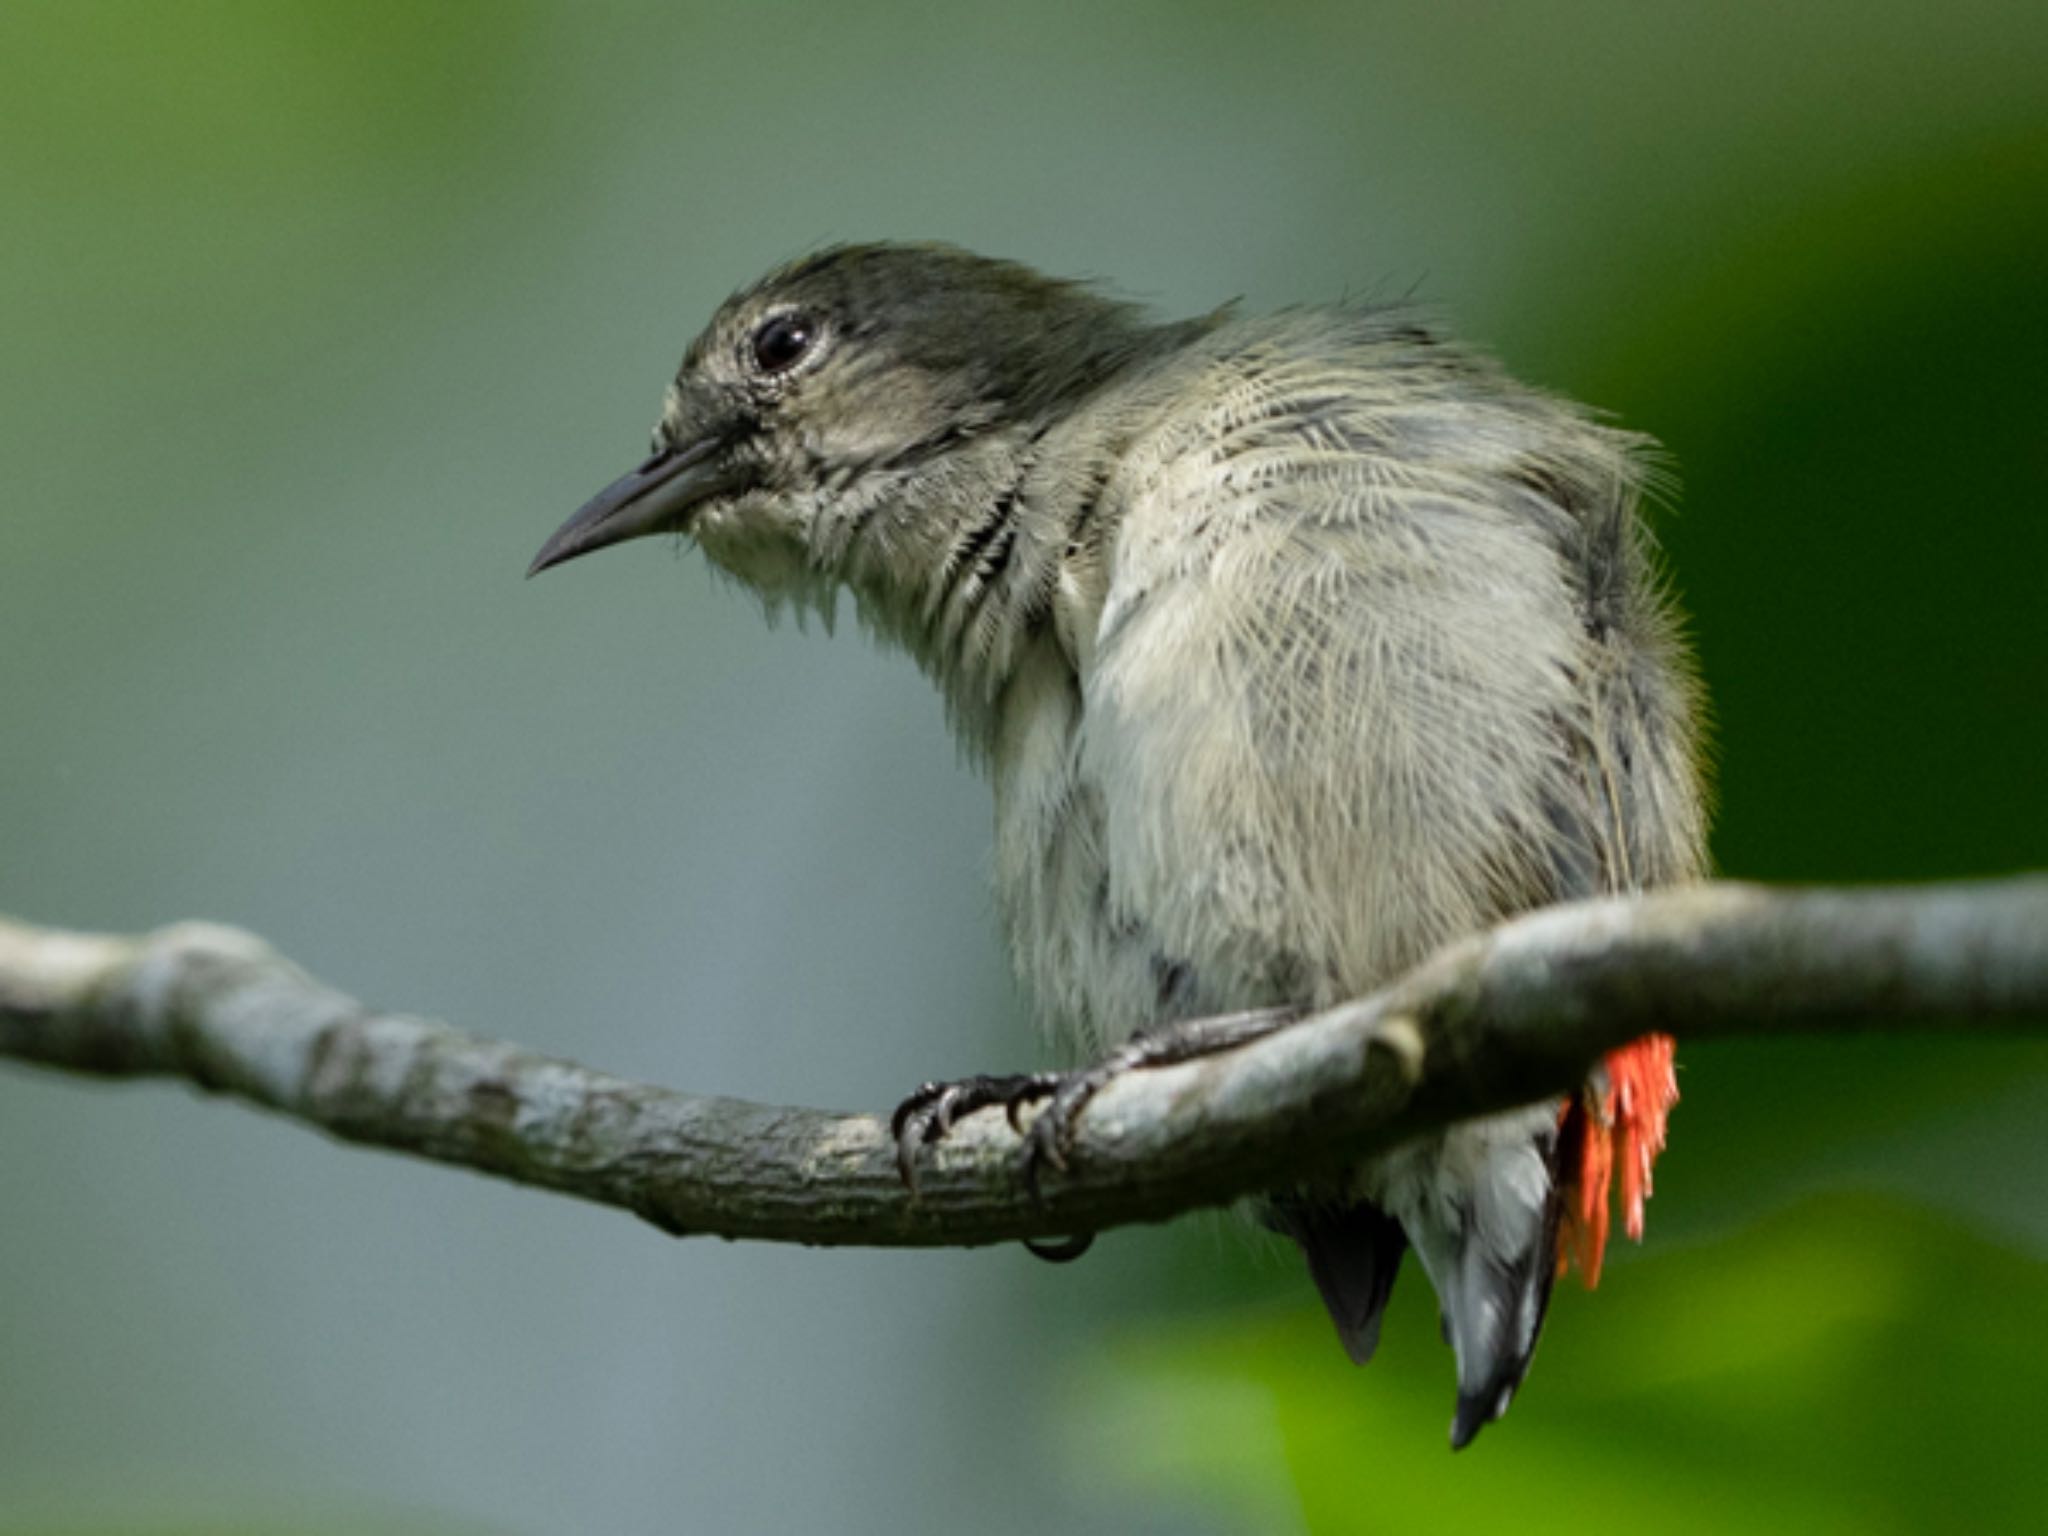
(1508, 1017)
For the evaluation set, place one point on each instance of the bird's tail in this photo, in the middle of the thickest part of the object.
(1493, 1208)
(1353, 1252)
(1484, 1221)
(1481, 1206)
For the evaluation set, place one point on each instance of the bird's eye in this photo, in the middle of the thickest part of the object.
(782, 341)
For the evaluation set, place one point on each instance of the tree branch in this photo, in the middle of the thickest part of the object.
(1505, 1018)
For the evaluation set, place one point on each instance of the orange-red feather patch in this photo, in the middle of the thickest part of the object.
(1618, 1119)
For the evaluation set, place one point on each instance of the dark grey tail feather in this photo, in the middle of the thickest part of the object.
(1524, 1288)
(1485, 1228)
(1353, 1252)
(1529, 1281)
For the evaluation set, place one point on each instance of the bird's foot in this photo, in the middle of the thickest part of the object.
(930, 1110)
(928, 1114)
(1049, 1139)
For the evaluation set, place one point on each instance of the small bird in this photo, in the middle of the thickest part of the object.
(1294, 647)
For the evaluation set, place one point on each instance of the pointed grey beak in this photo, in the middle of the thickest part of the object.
(658, 497)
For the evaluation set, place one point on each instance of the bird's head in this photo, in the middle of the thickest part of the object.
(863, 381)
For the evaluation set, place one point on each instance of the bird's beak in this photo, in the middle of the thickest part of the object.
(658, 497)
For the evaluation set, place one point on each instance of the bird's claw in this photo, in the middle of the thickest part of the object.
(1049, 1140)
(929, 1113)
(1050, 1137)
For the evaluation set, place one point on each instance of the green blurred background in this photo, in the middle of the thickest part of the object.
(317, 319)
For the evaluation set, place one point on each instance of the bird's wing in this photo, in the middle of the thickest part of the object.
(1337, 705)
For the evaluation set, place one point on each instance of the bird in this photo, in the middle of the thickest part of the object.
(1294, 646)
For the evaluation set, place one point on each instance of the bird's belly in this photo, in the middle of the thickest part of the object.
(1094, 974)
(1089, 941)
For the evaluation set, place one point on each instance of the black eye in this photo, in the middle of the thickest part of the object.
(782, 341)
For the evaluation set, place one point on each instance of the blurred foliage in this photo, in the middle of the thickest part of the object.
(319, 316)
(1849, 1365)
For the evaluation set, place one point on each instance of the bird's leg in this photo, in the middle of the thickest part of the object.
(1049, 1140)
(928, 1114)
